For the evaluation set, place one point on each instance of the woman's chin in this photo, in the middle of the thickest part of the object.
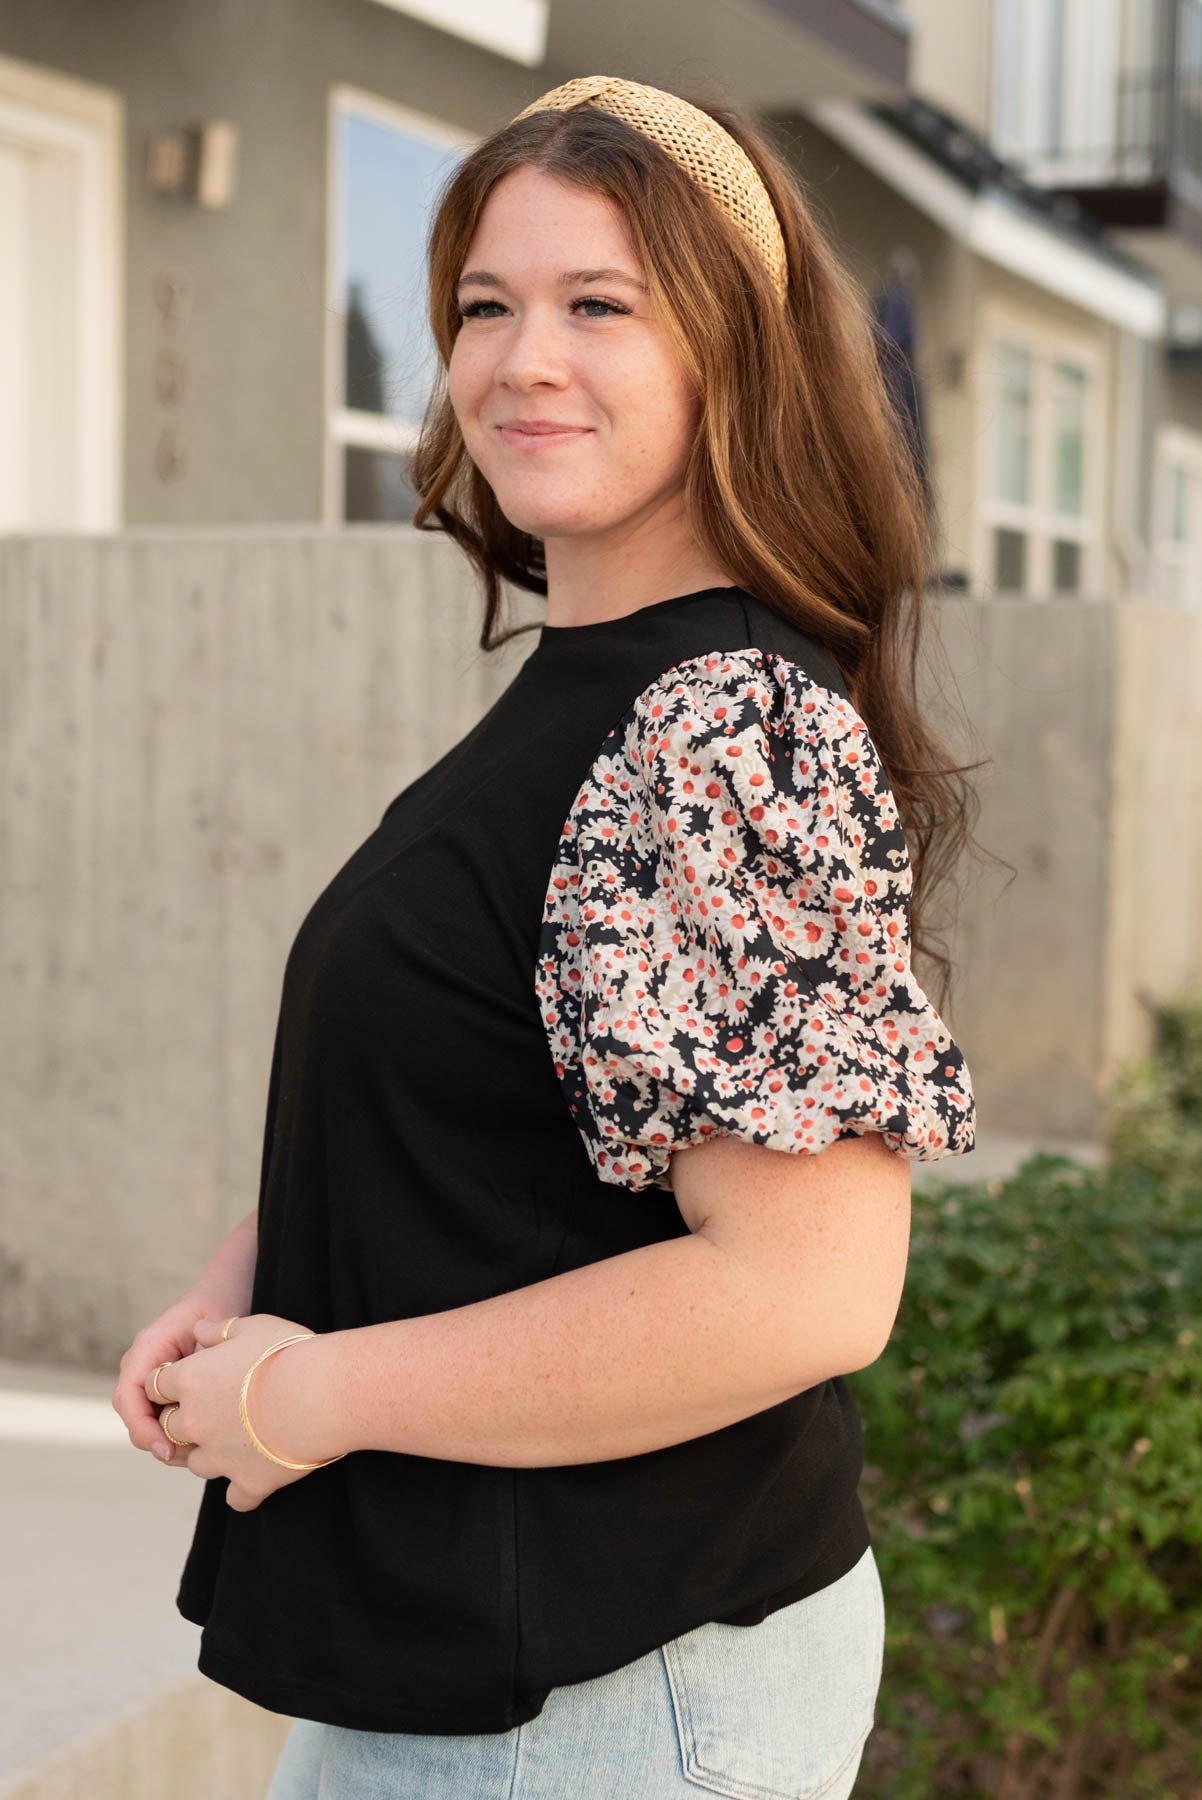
(547, 522)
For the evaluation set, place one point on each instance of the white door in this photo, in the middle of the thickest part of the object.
(60, 302)
(14, 335)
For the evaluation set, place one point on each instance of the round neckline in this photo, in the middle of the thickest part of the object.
(554, 634)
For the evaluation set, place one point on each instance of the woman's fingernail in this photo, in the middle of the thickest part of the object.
(162, 1452)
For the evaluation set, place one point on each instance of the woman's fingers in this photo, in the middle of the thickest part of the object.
(161, 1385)
(131, 1399)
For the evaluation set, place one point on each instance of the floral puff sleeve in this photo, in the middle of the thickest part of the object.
(725, 943)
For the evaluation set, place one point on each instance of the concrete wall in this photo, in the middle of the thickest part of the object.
(1154, 927)
(196, 729)
(1091, 716)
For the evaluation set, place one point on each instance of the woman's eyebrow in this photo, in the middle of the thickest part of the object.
(570, 278)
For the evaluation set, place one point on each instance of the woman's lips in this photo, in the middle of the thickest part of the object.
(539, 440)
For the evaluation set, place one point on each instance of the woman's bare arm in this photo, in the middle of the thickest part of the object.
(230, 1271)
(791, 1273)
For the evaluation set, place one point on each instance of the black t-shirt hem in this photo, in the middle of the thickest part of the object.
(301, 1699)
(231, 1665)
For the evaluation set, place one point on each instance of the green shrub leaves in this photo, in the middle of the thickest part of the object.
(1033, 1469)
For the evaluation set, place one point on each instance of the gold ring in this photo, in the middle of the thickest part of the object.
(173, 1408)
(225, 1329)
(154, 1382)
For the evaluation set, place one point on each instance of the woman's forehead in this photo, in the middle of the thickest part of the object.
(534, 198)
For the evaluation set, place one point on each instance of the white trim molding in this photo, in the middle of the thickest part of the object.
(513, 28)
(995, 225)
(373, 431)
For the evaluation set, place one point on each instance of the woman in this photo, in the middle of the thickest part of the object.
(601, 1062)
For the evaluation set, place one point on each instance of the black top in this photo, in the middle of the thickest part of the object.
(659, 890)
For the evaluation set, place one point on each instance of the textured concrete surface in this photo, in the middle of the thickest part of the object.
(102, 1697)
(94, 1538)
(195, 732)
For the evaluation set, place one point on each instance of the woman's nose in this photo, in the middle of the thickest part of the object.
(530, 352)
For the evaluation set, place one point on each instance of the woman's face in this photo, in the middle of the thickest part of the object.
(545, 341)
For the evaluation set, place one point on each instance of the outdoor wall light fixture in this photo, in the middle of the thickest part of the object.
(197, 164)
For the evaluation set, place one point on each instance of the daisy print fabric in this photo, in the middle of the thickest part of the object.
(725, 940)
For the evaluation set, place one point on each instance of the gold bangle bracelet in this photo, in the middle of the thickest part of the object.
(249, 1428)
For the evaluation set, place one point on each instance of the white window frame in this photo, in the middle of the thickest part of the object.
(1038, 520)
(347, 425)
(1177, 447)
(76, 436)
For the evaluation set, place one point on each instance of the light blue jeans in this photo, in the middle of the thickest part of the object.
(775, 1711)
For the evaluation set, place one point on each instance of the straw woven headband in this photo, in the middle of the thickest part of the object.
(702, 147)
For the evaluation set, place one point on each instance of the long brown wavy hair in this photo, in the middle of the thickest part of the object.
(800, 482)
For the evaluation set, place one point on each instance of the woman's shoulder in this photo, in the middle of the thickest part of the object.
(769, 630)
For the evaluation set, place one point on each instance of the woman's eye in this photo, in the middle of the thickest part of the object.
(611, 306)
(475, 308)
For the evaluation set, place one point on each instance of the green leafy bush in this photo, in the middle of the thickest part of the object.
(1033, 1481)
(1154, 1108)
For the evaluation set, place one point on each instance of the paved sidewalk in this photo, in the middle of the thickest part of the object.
(94, 1539)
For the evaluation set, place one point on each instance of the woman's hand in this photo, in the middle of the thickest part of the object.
(207, 1385)
(168, 1338)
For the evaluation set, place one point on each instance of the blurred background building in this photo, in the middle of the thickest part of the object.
(223, 648)
(212, 220)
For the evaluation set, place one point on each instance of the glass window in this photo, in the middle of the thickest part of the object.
(1013, 442)
(389, 179)
(1066, 566)
(1068, 434)
(1006, 102)
(1009, 561)
(1039, 506)
(389, 167)
(1055, 80)
(376, 487)
(1049, 100)
(1178, 516)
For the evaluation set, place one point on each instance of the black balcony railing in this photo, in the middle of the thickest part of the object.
(1156, 121)
(1159, 123)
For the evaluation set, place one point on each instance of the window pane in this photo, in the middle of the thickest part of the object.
(1013, 444)
(1066, 566)
(1048, 71)
(1178, 525)
(388, 181)
(377, 487)
(1007, 93)
(1009, 560)
(1068, 427)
